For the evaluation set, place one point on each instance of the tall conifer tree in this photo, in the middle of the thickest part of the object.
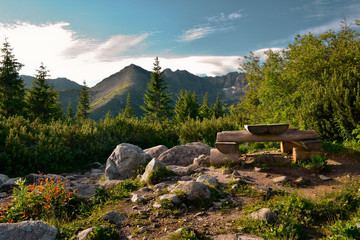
(42, 99)
(217, 108)
(157, 101)
(205, 111)
(83, 108)
(129, 110)
(12, 91)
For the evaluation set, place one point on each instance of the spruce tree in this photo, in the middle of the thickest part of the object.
(205, 111)
(129, 110)
(69, 111)
(186, 107)
(83, 108)
(156, 100)
(12, 91)
(217, 108)
(42, 99)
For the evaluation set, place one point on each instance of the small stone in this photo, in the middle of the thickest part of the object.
(157, 205)
(227, 171)
(281, 179)
(145, 189)
(302, 181)
(324, 178)
(136, 198)
(236, 174)
(264, 214)
(185, 178)
(267, 175)
(257, 169)
(114, 217)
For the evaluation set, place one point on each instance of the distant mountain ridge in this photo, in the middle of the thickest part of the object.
(110, 94)
(59, 84)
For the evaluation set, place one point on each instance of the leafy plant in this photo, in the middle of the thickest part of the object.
(316, 162)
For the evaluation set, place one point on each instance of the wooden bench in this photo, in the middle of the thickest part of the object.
(303, 144)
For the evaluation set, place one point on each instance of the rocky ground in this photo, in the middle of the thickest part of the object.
(141, 217)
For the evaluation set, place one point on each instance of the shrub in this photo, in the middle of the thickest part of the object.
(48, 199)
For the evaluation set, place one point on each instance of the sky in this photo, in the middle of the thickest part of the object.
(89, 40)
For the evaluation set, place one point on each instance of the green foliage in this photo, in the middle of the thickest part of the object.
(195, 130)
(84, 103)
(313, 83)
(12, 89)
(316, 162)
(42, 100)
(62, 146)
(186, 107)
(156, 100)
(103, 233)
(186, 234)
(125, 188)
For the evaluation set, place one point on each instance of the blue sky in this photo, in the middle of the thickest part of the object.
(91, 39)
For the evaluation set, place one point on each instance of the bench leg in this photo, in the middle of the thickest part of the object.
(301, 154)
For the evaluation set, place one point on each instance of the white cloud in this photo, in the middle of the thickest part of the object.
(64, 53)
(218, 23)
(196, 33)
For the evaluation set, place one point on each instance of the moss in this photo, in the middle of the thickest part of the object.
(155, 176)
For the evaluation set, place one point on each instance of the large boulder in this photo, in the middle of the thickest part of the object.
(29, 230)
(208, 180)
(123, 161)
(184, 155)
(194, 191)
(156, 151)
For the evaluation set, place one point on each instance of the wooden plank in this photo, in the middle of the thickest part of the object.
(227, 147)
(312, 144)
(245, 136)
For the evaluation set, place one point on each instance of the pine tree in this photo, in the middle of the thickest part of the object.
(42, 99)
(205, 111)
(157, 101)
(83, 108)
(69, 111)
(186, 107)
(129, 111)
(12, 91)
(217, 108)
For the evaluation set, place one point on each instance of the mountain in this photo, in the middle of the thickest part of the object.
(59, 84)
(110, 94)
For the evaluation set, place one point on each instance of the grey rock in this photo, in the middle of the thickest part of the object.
(156, 151)
(154, 164)
(110, 183)
(264, 214)
(184, 155)
(3, 178)
(96, 172)
(9, 184)
(160, 186)
(29, 230)
(172, 197)
(203, 160)
(123, 161)
(186, 178)
(183, 171)
(324, 178)
(270, 159)
(83, 235)
(96, 165)
(114, 217)
(281, 179)
(136, 198)
(86, 191)
(194, 191)
(208, 180)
